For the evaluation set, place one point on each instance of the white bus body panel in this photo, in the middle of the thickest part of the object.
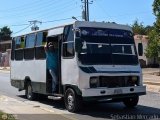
(34, 69)
(70, 72)
(56, 31)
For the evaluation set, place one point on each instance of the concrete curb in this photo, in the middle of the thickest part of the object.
(4, 71)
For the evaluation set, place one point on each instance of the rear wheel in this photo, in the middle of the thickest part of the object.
(131, 102)
(29, 92)
(73, 102)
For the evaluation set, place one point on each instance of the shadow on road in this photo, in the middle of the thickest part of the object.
(118, 111)
(115, 111)
(58, 104)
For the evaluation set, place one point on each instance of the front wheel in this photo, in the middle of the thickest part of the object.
(73, 102)
(131, 102)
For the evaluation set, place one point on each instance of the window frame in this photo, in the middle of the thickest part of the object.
(29, 48)
(140, 49)
(19, 49)
(64, 41)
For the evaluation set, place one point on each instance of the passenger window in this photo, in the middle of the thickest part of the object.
(19, 42)
(41, 38)
(40, 42)
(30, 40)
(29, 52)
(13, 49)
(19, 45)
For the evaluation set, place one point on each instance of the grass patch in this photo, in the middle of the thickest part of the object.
(4, 116)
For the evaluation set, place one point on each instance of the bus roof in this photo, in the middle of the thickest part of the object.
(87, 24)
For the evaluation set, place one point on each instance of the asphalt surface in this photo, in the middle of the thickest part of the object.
(148, 108)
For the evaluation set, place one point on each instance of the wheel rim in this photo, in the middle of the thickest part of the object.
(29, 91)
(70, 100)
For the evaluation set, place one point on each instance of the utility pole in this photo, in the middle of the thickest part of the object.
(85, 12)
(34, 22)
(87, 7)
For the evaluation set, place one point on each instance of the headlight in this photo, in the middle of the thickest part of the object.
(94, 81)
(134, 80)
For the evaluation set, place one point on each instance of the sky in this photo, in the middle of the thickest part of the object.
(16, 13)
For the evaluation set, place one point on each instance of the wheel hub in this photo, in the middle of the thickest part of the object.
(70, 101)
(29, 92)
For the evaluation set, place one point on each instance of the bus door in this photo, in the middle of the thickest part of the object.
(56, 40)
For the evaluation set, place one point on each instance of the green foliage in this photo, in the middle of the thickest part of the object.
(4, 116)
(156, 7)
(5, 33)
(153, 48)
(153, 45)
(138, 28)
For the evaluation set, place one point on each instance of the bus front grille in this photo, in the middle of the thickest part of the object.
(115, 81)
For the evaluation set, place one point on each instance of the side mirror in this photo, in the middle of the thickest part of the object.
(78, 45)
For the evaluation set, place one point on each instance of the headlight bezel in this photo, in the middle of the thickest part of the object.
(94, 82)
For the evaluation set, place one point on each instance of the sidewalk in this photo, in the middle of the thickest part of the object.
(5, 69)
(150, 70)
(31, 109)
(151, 79)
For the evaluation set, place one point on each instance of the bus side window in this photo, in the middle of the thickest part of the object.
(29, 46)
(13, 49)
(68, 42)
(19, 48)
(40, 42)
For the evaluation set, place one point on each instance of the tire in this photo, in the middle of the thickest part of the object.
(131, 102)
(29, 92)
(73, 102)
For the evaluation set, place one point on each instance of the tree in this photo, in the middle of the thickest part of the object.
(156, 11)
(5, 33)
(153, 45)
(153, 48)
(138, 28)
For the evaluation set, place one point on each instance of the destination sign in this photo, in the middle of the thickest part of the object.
(105, 32)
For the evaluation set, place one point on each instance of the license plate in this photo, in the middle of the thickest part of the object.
(118, 91)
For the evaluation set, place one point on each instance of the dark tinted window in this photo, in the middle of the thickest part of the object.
(40, 52)
(107, 46)
(124, 49)
(19, 54)
(68, 49)
(68, 33)
(30, 40)
(29, 53)
(13, 49)
(140, 49)
(18, 42)
(68, 42)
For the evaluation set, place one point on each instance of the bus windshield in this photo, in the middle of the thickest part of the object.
(112, 47)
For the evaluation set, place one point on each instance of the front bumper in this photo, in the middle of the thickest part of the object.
(109, 93)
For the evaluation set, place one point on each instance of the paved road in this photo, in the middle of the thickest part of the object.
(149, 106)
